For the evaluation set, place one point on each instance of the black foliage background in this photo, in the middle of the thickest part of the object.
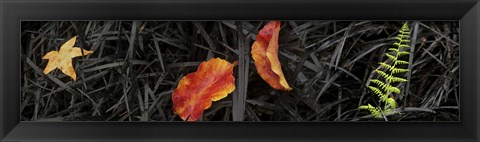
(137, 64)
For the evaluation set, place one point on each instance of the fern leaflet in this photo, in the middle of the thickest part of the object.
(385, 90)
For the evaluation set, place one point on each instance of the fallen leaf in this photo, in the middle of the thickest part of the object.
(195, 92)
(265, 56)
(63, 59)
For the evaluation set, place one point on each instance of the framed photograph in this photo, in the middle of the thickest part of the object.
(239, 70)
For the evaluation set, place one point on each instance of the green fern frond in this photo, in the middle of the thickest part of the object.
(398, 44)
(391, 57)
(390, 78)
(378, 82)
(382, 64)
(385, 89)
(373, 110)
(401, 62)
(392, 103)
(378, 92)
(404, 32)
(398, 70)
(383, 86)
(364, 107)
(393, 49)
(395, 79)
(392, 89)
(402, 40)
(392, 69)
(405, 26)
(403, 36)
(401, 53)
(383, 74)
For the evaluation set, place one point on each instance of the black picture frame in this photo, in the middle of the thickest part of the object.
(12, 12)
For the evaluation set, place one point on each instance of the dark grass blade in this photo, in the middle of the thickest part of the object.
(206, 37)
(238, 108)
(159, 54)
(410, 60)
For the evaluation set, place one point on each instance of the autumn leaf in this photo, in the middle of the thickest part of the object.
(265, 56)
(195, 92)
(63, 59)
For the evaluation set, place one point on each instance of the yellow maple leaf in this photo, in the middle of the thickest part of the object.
(62, 59)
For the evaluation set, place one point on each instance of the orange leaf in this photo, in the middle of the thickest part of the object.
(195, 92)
(63, 59)
(265, 56)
